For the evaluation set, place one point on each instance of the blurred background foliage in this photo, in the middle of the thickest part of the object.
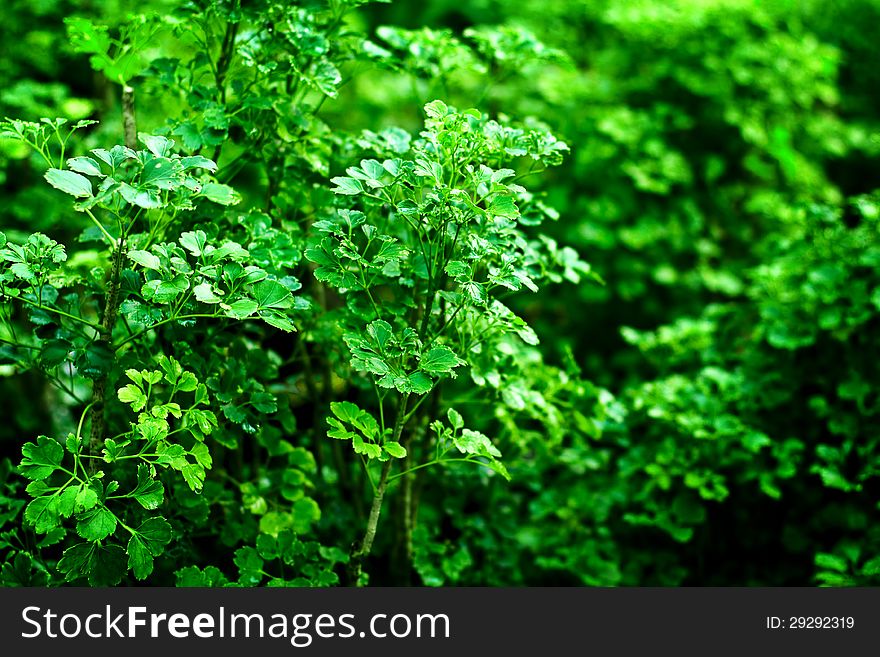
(709, 415)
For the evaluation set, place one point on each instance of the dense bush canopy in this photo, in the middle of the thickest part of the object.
(491, 293)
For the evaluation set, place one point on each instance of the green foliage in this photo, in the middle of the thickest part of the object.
(185, 409)
(708, 188)
(324, 320)
(65, 487)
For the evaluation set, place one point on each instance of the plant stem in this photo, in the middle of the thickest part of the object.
(111, 307)
(430, 463)
(110, 238)
(227, 51)
(403, 562)
(405, 517)
(129, 127)
(168, 320)
(111, 304)
(60, 313)
(361, 550)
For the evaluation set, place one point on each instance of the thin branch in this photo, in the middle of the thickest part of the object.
(129, 125)
(361, 550)
(161, 323)
(61, 313)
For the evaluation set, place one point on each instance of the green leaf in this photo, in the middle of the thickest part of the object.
(305, 512)
(162, 173)
(84, 165)
(23, 570)
(367, 425)
(204, 292)
(145, 259)
(439, 360)
(86, 498)
(326, 77)
(113, 450)
(349, 186)
(436, 109)
(143, 198)
(293, 484)
(833, 562)
(187, 382)
(871, 568)
(73, 443)
(131, 394)
(96, 524)
(172, 455)
(171, 367)
(271, 525)
(67, 501)
(153, 377)
(476, 291)
(41, 459)
(149, 492)
(198, 161)
(271, 294)
(194, 241)
(249, 564)
(474, 443)
(380, 332)
(360, 419)
(69, 182)
(52, 537)
(194, 475)
(140, 561)
(300, 457)
(394, 449)
(202, 455)
(277, 319)
(55, 352)
(204, 421)
(418, 383)
(115, 156)
(242, 308)
(191, 576)
(222, 194)
(503, 206)
(368, 449)
(337, 430)
(345, 411)
(38, 488)
(103, 565)
(43, 513)
(164, 410)
(457, 268)
(157, 145)
(147, 542)
(76, 499)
